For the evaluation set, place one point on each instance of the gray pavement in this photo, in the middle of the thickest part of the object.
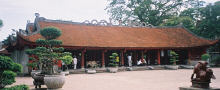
(129, 80)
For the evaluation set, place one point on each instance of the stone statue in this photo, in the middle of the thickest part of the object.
(203, 75)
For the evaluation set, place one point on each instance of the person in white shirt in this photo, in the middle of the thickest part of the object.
(74, 62)
(139, 62)
(129, 61)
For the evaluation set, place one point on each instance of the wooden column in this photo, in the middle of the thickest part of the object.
(83, 59)
(158, 57)
(103, 59)
(135, 58)
(122, 58)
(189, 56)
(142, 55)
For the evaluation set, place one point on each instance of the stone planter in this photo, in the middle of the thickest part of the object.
(54, 81)
(171, 67)
(112, 69)
(65, 72)
(90, 71)
(200, 84)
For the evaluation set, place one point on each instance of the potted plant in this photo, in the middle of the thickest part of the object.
(91, 67)
(67, 60)
(173, 59)
(48, 53)
(113, 64)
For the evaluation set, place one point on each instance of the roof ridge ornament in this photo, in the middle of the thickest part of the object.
(37, 14)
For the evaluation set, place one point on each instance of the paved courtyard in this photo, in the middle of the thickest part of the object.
(129, 80)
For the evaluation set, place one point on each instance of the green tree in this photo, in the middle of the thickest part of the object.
(174, 21)
(49, 50)
(148, 11)
(209, 25)
(8, 70)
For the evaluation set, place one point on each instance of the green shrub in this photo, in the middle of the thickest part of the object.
(17, 87)
(216, 60)
(113, 60)
(8, 77)
(8, 70)
(174, 57)
(67, 59)
(205, 57)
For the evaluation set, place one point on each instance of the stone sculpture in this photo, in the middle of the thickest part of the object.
(203, 75)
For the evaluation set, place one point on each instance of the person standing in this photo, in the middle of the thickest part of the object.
(129, 61)
(74, 62)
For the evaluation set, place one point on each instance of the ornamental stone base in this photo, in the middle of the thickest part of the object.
(193, 88)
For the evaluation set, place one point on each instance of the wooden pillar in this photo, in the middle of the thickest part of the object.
(122, 58)
(103, 59)
(83, 59)
(142, 55)
(135, 58)
(158, 57)
(189, 56)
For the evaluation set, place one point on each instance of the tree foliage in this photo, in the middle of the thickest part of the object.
(148, 11)
(187, 22)
(50, 33)
(205, 57)
(8, 70)
(209, 24)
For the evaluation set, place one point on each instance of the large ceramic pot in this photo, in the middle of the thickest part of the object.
(172, 67)
(54, 81)
(112, 69)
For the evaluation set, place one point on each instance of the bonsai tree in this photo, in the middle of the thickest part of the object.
(8, 71)
(113, 60)
(205, 57)
(92, 64)
(174, 57)
(49, 51)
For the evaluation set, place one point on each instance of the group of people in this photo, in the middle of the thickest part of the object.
(140, 62)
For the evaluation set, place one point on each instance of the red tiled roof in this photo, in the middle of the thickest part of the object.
(116, 36)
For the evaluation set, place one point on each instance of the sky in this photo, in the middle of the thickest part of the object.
(16, 13)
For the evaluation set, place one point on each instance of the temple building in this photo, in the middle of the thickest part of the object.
(96, 41)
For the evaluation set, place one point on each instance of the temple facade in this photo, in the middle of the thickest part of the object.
(96, 41)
